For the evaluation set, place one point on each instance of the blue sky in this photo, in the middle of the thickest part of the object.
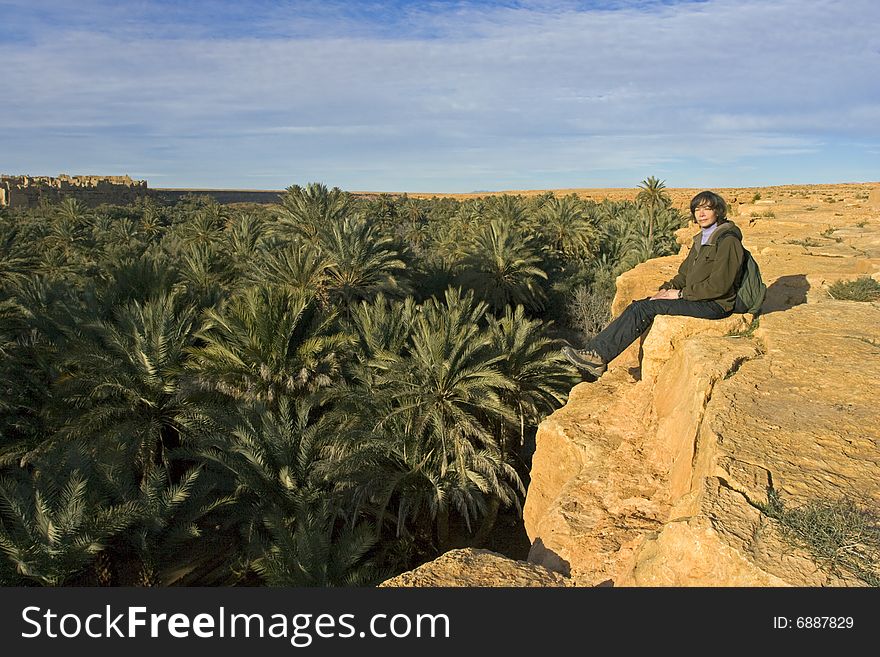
(443, 96)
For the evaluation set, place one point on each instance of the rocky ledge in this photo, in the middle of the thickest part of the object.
(656, 474)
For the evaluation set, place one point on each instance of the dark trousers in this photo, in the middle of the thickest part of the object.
(637, 317)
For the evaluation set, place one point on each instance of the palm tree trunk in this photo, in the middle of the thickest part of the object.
(488, 523)
(522, 426)
(443, 529)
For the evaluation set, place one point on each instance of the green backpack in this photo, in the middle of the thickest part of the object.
(750, 288)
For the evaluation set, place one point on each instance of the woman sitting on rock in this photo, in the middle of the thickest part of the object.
(703, 287)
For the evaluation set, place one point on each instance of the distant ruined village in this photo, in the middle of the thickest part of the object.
(30, 191)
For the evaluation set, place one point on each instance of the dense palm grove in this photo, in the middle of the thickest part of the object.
(325, 392)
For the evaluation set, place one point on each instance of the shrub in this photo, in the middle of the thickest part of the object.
(842, 534)
(756, 197)
(588, 311)
(807, 242)
(863, 288)
(747, 332)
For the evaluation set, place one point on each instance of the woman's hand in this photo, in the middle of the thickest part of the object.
(666, 294)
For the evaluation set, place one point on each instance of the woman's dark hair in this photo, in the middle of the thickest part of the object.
(712, 200)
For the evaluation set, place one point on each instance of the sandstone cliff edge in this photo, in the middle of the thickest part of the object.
(655, 474)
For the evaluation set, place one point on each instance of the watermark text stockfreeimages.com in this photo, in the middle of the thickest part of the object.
(301, 629)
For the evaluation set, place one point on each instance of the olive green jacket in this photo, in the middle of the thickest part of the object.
(709, 272)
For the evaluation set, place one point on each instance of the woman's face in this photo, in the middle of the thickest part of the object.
(704, 216)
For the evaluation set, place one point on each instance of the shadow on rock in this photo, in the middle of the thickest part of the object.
(785, 292)
(544, 556)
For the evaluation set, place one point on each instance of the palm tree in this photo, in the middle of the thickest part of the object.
(653, 199)
(619, 230)
(501, 267)
(244, 234)
(460, 376)
(118, 239)
(540, 379)
(313, 547)
(667, 222)
(299, 266)
(639, 249)
(151, 220)
(58, 266)
(205, 273)
(540, 376)
(268, 342)
(405, 477)
(446, 391)
(382, 329)
(294, 530)
(52, 528)
(204, 227)
(121, 382)
(26, 357)
(447, 246)
(508, 209)
(307, 210)
(72, 211)
(411, 226)
(383, 208)
(414, 213)
(125, 281)
(363, 263)
(635, 233)
(168, 536)
(567, 227)
(15, 261)
(69, 238)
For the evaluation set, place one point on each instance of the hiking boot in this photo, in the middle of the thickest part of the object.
(586, 360)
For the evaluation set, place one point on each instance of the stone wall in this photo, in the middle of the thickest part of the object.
(29, 191)
(171, 196)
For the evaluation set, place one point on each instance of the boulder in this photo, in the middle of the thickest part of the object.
(470, 567)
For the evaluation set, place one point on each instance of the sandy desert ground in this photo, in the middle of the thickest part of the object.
(825, 197)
